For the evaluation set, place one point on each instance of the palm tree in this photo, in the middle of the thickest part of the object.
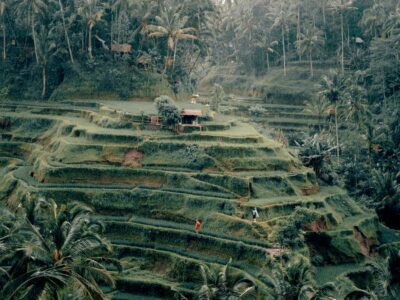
(4, 4)
(323, 8)
(356, 104)
(66, 31)
(56, 250)
(287, 282)
(381, 276)
(342, 6)
(171, 24)
(324, 292)
(392, 22)
(347, 290)
(32, 9)
(332, 90)
(310, 43)
(91, 11)
(387, 197)
(45, 48)
(317, 106)
(6, 224)
(265, 42)
(216, 285)
(282, 12)
(374, 18)
(141, 12)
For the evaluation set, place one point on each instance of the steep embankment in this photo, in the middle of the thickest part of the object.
(149, 186)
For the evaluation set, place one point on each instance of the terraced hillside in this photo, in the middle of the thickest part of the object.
(290, 118)
(149, 185)
(280, 99)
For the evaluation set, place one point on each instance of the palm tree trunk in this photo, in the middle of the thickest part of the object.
(298, 26)
(66, 32)
(43, 81)
(311, 65)
(111, 30)
(348, 36)
(34, 37)
(342, 29)
(284, 50)
(324, 17)
(90, 42)
(4, 43)
(337, 134)
(83, 42)
(267, 60)
(173, 63)
(118, 20)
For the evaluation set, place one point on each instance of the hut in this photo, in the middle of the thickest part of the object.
(190, 120)
(191, 116)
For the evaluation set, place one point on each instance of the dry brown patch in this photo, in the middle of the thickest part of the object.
(366, 244)
(133, 158)
(317, 226)
(315, 189)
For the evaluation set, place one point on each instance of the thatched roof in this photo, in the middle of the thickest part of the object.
(191, 112)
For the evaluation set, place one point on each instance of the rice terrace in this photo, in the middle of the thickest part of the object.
(200, 149)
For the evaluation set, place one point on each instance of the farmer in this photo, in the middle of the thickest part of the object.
(255, 214)
(197, 225)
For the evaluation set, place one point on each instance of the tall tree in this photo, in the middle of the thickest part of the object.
(66, 31)
(171, 25)
(332, 89)
(282, 12)
(34, 9)
(4, 6)
(374, 19)
(342, 6)
(91, 11)
(310, 44)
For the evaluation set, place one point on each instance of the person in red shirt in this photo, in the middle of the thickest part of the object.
(197, 225)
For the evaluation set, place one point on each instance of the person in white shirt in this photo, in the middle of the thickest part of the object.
(255, 214)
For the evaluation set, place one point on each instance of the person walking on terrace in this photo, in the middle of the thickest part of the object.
(197, 225)
(255, 214)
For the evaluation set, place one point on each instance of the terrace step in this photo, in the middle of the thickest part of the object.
(23, 173)
(187, 241)
(292, 122)
(277, 108)
(132, 248)
(180, 226)
(293, 115)
(126, 249)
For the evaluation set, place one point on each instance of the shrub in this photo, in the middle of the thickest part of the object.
(256, 111)
(167, 110)
(4, 93)
(289, 231)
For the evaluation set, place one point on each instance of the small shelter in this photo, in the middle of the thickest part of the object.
(191, 116)
(190, 120)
